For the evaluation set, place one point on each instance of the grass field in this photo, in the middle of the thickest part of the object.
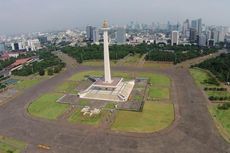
(157, 64)
(9, 145)
(218, 93)
(130, 60)
(80, 76)
(27, 82)
(200, 76)
(158, 93)
(47, 107)
(155, 116)
(67, 87)
(98, 63)
(157, 79)
(222, 117)
(78, 117)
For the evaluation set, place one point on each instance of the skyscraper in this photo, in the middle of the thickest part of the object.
(199, 27)
(89, 33)
(202, 40)
(186, 29)
(95, 35)
(15, 46)
(193, 35)
(175, 38)
(92, 34)
(121, 35)
(197, 24)
(2, 47)
(194, 24)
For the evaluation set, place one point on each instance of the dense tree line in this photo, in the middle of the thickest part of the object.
(154, 52)
(5, 63)
(47, 60)
(219, 66)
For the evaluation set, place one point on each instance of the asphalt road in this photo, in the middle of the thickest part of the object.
(192, 132)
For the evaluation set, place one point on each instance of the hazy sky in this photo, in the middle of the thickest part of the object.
(18, 16)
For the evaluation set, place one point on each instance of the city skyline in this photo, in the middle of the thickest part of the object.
(30, 16)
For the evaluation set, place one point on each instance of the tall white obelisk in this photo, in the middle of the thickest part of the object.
(107, 75)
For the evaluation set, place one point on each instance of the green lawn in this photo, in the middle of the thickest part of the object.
(78, 117)
(158, 93)
(157, 79)
(218, 93)
(47, 107)
(222, 118)
(97, 63)
(9, 145)
(131, 60)
(157, 64)
(80, 76)
(27, 83)
(67, 87)
(200, 76)
(155, 116)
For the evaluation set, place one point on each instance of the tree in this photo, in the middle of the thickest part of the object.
(42, 72)
(57, 69)
(50, 71)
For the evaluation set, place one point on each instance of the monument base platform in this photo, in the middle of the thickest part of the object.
(116, 92)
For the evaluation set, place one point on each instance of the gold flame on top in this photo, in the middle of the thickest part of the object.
(105, 24)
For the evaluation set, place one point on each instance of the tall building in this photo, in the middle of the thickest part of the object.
(15, 46)
(2, 47)
(215, 35)
(194, 24)
(199, 27)
(95, 36)
(175, 38)
(197, 24)
(193, 35)
(92, 34)
(186, 29)
(202, 40)
(89, 33)
(33, 45)
(121, 35)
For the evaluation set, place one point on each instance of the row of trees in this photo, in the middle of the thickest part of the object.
(47, 60)
(219, 66)
(154, 52)
(5, 63)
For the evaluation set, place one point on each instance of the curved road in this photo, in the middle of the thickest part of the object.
(192, 132)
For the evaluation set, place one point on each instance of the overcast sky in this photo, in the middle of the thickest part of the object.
(18, 16)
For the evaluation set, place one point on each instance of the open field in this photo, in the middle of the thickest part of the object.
(222, 119)
(218, 93)
(47, 107)
(67, 87)
(27, 82)
(9, 145)
(155, 116)
(130, 60)
(158, 93)
(161, 65)
(78, 117)
(201, 77)
(98, 63)
(156, 79)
